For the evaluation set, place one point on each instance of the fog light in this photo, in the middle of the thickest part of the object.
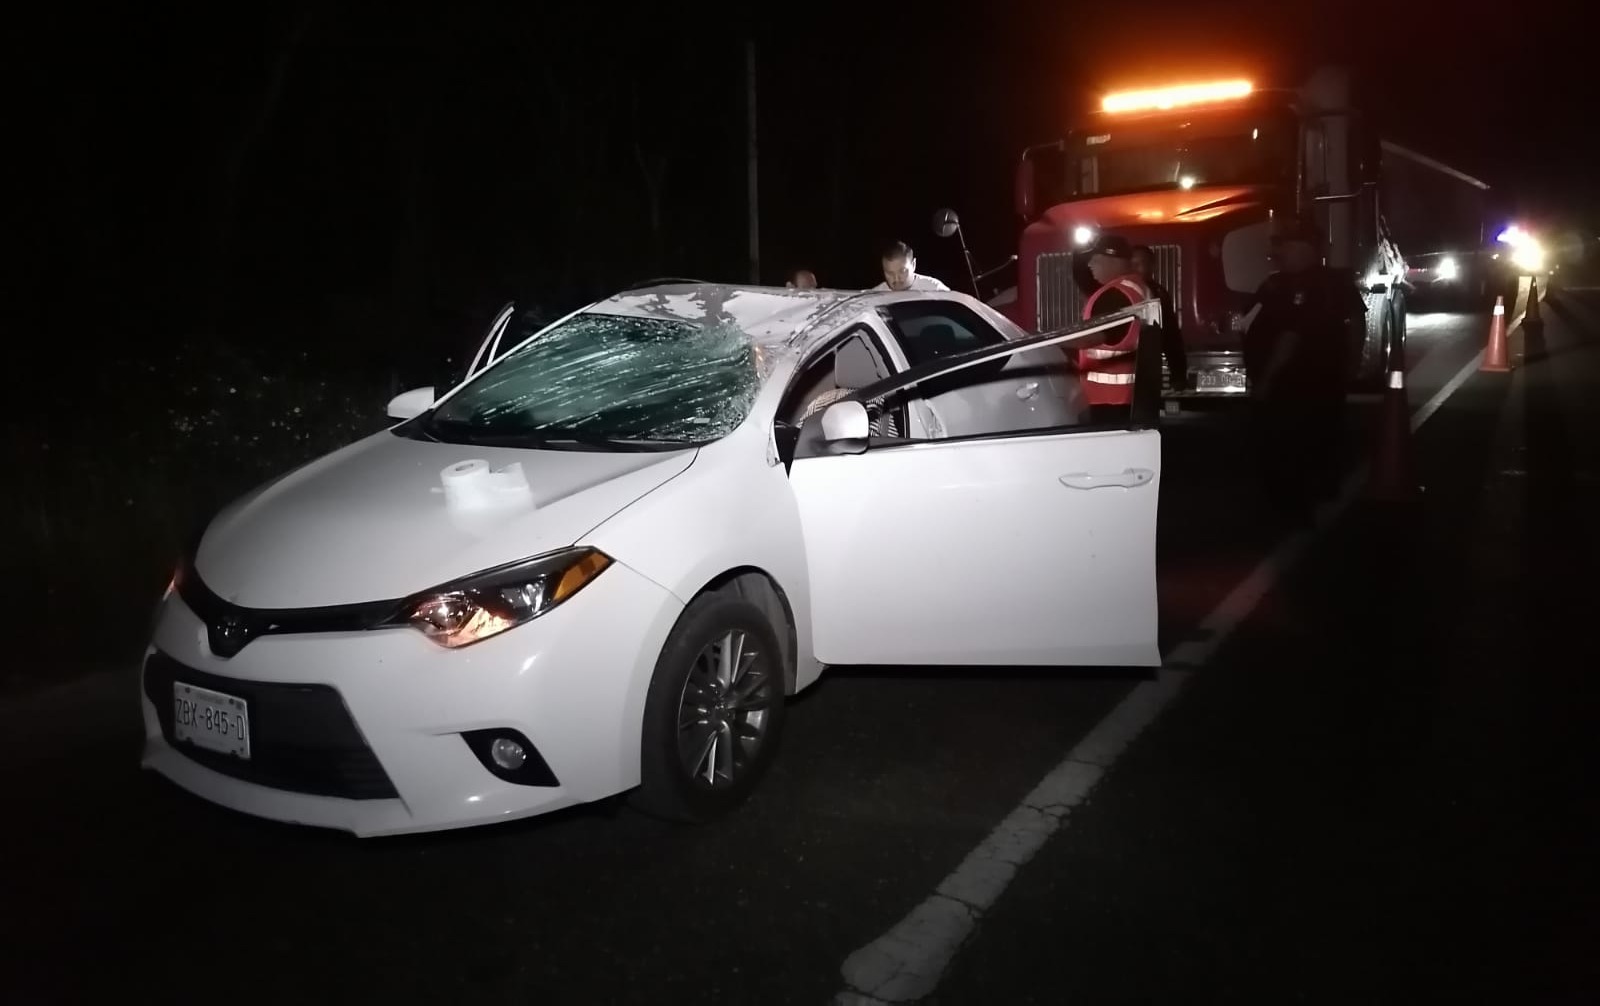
(510, 756)
(507, 754)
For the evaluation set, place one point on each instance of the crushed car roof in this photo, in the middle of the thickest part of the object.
(770, 315)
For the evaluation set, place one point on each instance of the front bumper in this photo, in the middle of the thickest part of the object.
(363, 731)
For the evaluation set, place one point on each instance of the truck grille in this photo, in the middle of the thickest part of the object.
(1060, 302)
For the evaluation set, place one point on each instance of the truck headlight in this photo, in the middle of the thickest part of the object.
(1082, 235)
(1446, 269)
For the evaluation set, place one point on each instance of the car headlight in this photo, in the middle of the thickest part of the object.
(486, 604)
(1446, 269)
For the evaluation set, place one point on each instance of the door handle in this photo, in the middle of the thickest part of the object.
(1028, 390)
(1130, 478)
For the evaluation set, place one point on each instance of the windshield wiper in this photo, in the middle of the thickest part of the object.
(589, 439)
(547, 437)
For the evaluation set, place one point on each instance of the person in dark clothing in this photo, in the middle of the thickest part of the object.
(1171, 331)
(1298, 355)
(1117, 287)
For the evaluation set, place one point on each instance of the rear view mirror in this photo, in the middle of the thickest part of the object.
(410, 404)
(846, 421)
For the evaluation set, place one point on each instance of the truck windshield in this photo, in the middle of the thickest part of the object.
(1259, 150)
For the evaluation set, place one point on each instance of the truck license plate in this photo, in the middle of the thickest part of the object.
(210, 719)
(1219, 380)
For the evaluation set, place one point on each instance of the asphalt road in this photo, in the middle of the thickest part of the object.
(1370, 792)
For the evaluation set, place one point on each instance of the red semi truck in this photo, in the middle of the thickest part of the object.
(1199, 172)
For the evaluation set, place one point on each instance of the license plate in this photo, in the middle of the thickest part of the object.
(1219, 380)
(210, 719)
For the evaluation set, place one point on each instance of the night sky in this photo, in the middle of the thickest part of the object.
(316, 173)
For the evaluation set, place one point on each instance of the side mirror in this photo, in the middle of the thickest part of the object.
(946, 223)
(1025, 196)
(410, 404)
(846, 424)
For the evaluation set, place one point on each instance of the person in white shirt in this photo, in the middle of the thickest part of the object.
(900, 271)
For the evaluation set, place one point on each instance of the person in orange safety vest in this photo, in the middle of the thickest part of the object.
(1107, 371)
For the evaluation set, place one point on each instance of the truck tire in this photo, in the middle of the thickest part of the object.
(1396, 342)
(1372, 367)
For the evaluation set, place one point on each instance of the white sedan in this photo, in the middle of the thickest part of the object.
(603, 560)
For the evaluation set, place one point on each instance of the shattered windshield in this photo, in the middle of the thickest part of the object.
(609, 381)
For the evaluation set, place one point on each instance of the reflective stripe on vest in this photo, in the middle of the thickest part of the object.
(1107, 377)
(1105, 354)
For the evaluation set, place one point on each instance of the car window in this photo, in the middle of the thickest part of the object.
(972, 403)
(847, 365)
(825, 377)
(597, 378)
(1046, 379)
(1054, 403)
(927, 330)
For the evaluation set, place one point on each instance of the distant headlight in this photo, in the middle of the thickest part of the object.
(1446, 269)
(486, 604)
(1528, 258)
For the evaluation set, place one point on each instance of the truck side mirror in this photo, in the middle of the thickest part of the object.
(946, 223)
(1024, 197)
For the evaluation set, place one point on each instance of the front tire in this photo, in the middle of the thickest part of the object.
(714, 714)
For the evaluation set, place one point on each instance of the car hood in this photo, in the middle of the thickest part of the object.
(370, 522)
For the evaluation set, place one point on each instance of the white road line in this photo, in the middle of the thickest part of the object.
(906, 963)
(1432, 405)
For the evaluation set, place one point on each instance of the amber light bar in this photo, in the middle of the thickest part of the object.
(1174, 97)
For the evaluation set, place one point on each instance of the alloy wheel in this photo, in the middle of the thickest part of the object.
(725, 710)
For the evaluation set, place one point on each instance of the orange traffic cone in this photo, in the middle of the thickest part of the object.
(1391, 479)
(1494, 355)
(1532, 317)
